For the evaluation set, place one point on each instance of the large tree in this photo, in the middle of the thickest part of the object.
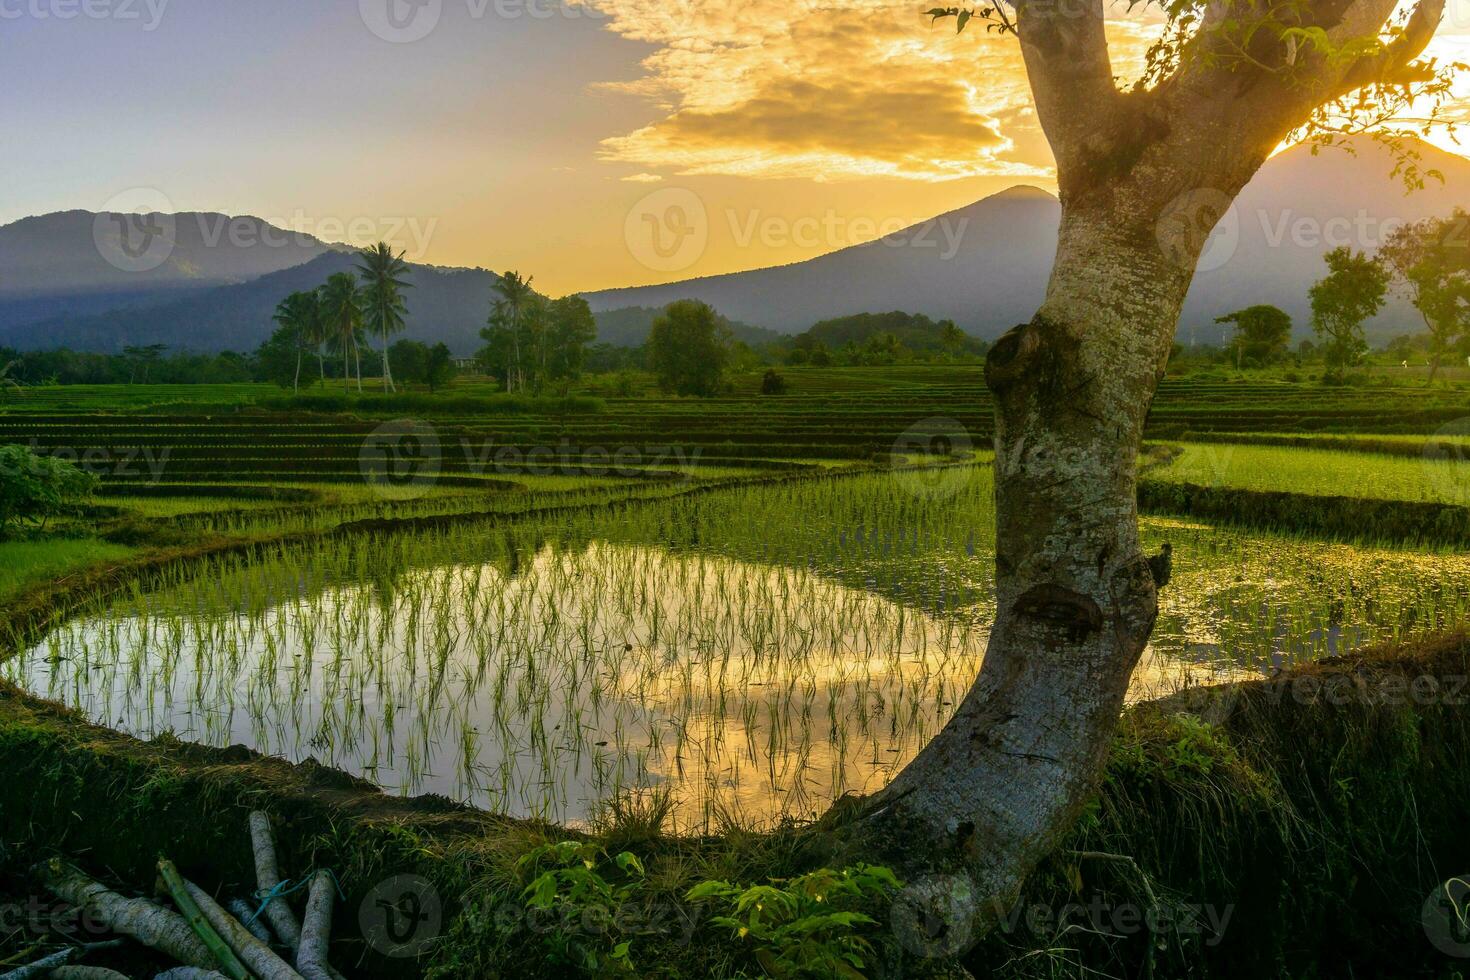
(1144, 175)
(509, 316)
(688, 349)
(1430, 261)
(1352, 291)
(383, 307)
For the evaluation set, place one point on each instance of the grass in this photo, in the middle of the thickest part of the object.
(24, 564)
(1320, 472)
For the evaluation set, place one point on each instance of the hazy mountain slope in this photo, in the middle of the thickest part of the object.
(984, 266)
(449, 305)
(78, 262)
(1297, 208)
(994, 273)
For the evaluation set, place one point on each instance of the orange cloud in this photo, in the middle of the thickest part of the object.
(807, 89)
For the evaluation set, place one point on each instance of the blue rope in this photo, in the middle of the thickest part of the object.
(284, 888)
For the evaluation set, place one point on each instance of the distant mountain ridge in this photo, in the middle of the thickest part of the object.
(71, 279)
(1268, 250)
(1007, 240)
(449, 305)
(77, 263)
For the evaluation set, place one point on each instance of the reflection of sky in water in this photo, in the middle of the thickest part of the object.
(546, 680)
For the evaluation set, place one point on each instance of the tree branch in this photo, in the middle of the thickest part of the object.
(1395, 64)
(1065, 48)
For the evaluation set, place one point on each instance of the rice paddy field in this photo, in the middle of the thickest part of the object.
(738, 609)
(754, 652)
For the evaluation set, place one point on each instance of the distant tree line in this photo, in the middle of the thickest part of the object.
(1427, 262)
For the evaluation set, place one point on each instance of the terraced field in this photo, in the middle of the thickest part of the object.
(738, 608)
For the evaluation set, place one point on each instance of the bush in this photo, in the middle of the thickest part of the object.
(773, 383)
(34, 488)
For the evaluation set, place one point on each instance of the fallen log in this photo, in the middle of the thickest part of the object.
(268, 879)
(152, 925)
(86, 973)
(316, 930)
(242, 911)
(46, 965)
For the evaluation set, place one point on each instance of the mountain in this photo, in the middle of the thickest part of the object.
(90, 281)
(1300, 207)
(985, 266)
(79, 262)
(444, 304)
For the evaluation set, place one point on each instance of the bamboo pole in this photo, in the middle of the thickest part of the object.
(229, 963)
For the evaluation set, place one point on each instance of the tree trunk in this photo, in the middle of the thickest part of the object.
(387, 368)
(296, 384)
(998, 786)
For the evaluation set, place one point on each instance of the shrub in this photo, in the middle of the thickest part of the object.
(34, 488)
(806, 926)
(774, 383)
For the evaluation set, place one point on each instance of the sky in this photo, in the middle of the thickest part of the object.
(588, 143)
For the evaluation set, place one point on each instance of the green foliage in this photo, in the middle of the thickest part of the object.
(570, 879)
(531, 341)
(1262, 335)
(688, 349)
(417, 363)
(1431, 262)
(884, 338)
(1352, 291)
(34, 488)
(773, 383)
(278, 360)
(810, 926)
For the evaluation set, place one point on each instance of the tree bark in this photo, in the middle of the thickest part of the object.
(1076, 602)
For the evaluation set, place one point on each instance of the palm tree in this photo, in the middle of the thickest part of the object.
(515, 293)
(342, 312)
(298, 314)
(318, 331)
(383, 306)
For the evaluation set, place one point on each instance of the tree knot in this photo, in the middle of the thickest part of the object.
(1061, 609)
